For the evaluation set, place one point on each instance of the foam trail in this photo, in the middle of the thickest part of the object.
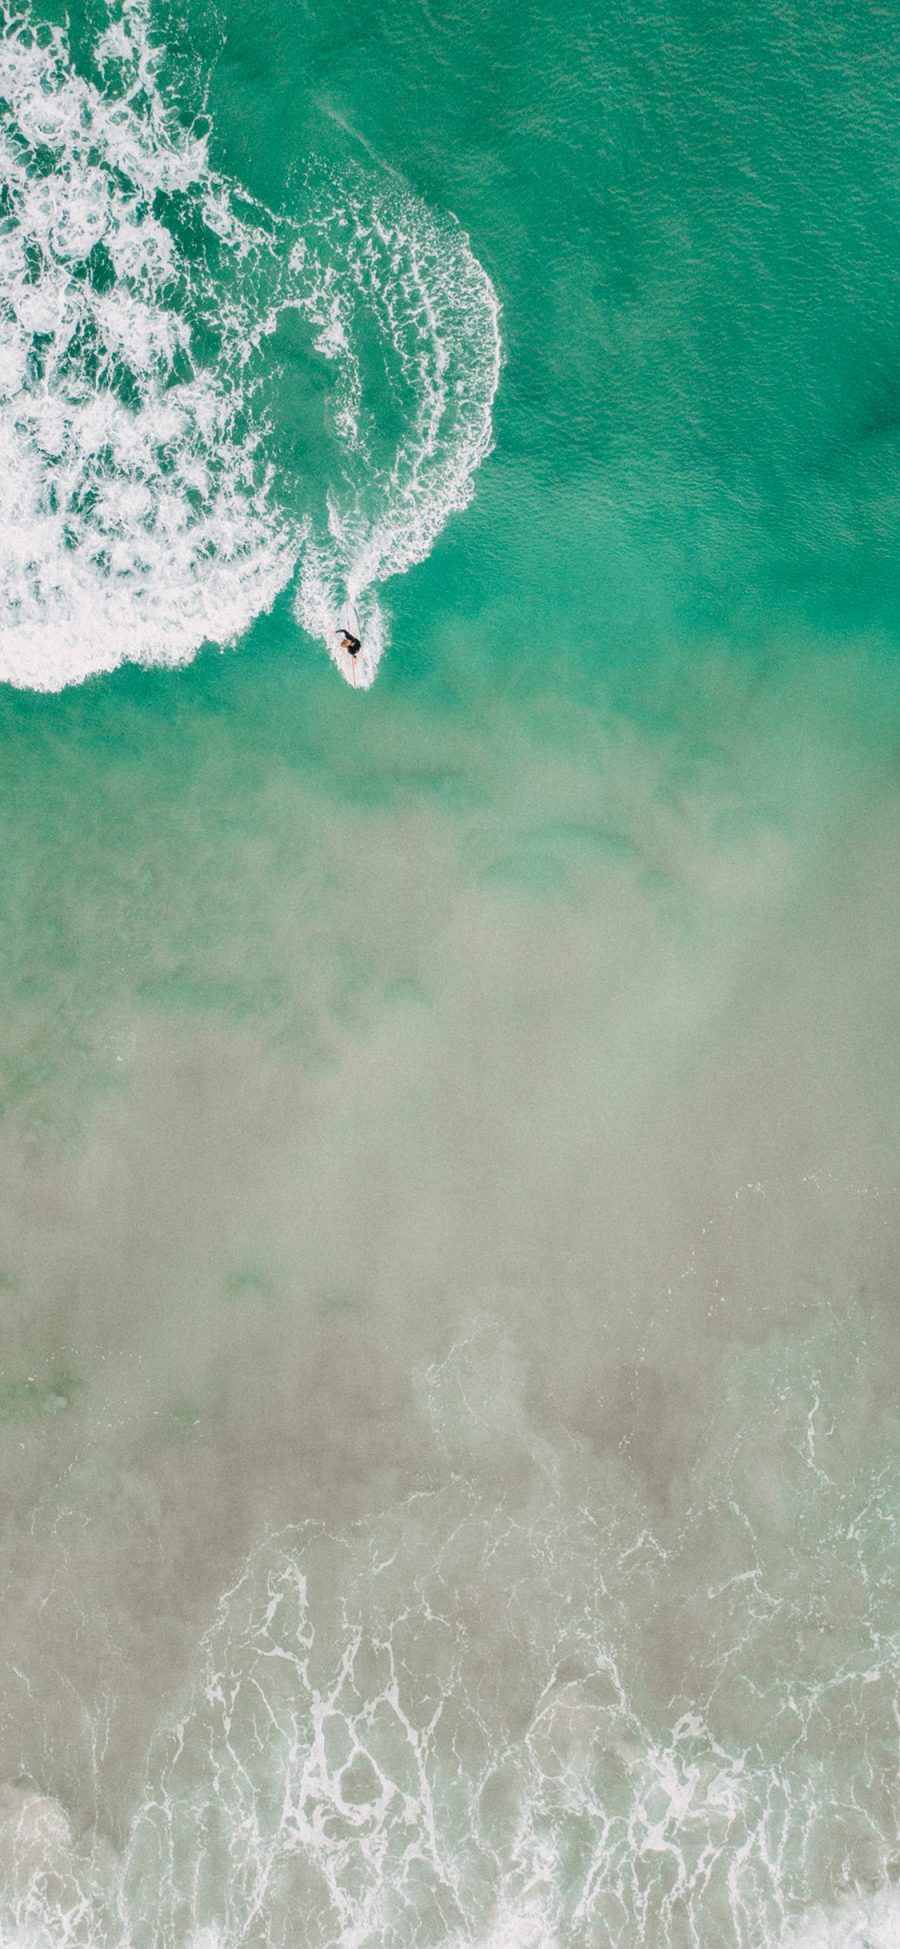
(141, 514)
(384, 257)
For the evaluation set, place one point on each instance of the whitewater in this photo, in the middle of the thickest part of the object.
(436, 1726)
(140, 295)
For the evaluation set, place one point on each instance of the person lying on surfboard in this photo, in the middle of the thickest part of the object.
(351, 644)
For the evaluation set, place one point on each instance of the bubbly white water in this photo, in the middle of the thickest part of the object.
(437, 1728)
(138, 291)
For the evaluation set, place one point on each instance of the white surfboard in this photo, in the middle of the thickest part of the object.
(346, 663)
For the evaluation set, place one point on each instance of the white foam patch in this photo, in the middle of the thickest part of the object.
(140, 515)
(858, 1922)
(137, 521)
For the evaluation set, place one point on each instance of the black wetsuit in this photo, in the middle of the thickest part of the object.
(351, 644)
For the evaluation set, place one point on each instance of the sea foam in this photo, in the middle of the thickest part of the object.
(139, 291)
(442, 1726)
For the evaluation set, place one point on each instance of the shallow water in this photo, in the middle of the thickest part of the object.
(449, 1135)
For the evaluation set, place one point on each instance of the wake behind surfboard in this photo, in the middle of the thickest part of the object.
(381, 270)
(350, 667)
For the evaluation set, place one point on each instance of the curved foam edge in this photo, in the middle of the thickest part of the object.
(438, 319)
(139, 521)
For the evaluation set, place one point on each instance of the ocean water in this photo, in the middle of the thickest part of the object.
(449, 1123)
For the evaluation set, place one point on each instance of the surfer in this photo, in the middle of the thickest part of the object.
(351, 644)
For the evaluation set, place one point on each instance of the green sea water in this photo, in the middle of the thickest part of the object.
(448, 1126)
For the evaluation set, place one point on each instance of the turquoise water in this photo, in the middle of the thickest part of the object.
(448, 1123)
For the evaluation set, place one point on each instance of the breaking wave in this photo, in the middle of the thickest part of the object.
(522, 1719)
(139, 295)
